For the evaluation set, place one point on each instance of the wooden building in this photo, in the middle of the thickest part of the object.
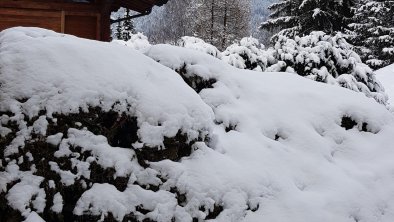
(83, 18)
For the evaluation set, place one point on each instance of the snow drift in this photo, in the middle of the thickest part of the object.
(317, 56)
(97, 131)
(386, 77)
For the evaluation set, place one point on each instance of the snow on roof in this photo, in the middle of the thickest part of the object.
(281, 147)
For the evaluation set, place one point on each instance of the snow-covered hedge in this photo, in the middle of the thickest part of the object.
(137, 41)
(99, 132)
(78, 128)
(198, 44)
(247, 54)
(328, 59)
(320, 57)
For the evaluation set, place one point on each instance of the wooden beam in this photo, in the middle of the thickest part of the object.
(25, 4)
(98, 27)
(62, 22)
(105, 24)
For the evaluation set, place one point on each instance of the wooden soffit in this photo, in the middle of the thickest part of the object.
(141, 6)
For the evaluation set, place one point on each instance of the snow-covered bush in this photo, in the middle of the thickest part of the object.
(137, 41)
(79, 130)
(247, 54)
(328, 59)
(99, 132)
(317, 56)
(199, 45)
(253, 106)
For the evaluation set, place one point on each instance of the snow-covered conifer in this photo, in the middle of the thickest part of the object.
(128, 27)
(118, 30)
(124, 30)
(328, 59)
(372, 32)
(300, 17)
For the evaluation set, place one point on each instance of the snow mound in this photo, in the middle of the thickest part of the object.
(386, 77)
(287, 148)
(260, 146)
(85, 74)
(199, 45)
(137, 41)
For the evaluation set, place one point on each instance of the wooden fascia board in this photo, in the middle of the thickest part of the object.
(49, 5)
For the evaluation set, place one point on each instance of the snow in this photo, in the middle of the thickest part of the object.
(195, 43)
(57, 203)
(386, 77)
(55, 139)
(34, 217)
(310, 56)
(249, 50)
(276, 148)
(315, 170)
(153, 96)
(26, 193)
(104, 198)
(137, 41)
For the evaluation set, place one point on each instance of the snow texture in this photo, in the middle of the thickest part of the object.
(281, 147)
(199, 45)
(386, 77)
(34, 217)
(137, 41)
(147, 92)
(317, 56)
(247, 54)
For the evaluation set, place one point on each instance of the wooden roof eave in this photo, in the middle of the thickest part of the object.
(55, 5)
(141, 6)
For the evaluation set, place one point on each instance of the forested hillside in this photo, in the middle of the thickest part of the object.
(194, 18)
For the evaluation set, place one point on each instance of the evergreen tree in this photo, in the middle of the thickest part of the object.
(372, 32)
(118, 31)
(123, 30)
(301, 17)
(325, 58)
(128, 27)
